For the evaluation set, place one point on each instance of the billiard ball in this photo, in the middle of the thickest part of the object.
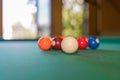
(45, 43)
(69, 45)
(82, 42)
(56, 43)
(93, 42)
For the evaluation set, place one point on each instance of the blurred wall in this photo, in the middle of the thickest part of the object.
(0, 17)
(104, 17)
(56, 17)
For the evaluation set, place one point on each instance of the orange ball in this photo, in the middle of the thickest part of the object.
(45, 43)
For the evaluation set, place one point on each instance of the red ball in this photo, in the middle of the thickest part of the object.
(82, 42)
(57, 43)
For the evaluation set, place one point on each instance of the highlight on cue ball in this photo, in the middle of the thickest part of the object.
(69, 45)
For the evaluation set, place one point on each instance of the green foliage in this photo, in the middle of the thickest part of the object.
(72, 21)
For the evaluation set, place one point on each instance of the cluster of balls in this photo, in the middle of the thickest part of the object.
(68, 45)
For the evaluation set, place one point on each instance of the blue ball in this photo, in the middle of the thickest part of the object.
(93, 42)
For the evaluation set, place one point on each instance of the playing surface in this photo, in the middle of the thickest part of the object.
(22, 60)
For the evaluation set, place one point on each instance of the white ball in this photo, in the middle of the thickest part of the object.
(69, 45)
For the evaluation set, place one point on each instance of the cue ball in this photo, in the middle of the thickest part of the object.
(69, 45)
(82, 42)
(45, 43)
(93, 42)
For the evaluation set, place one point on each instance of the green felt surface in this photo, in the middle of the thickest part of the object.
(23, 60)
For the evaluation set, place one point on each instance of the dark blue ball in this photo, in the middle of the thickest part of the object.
(93, 42)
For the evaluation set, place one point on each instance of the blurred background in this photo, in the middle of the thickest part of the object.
(31, 19)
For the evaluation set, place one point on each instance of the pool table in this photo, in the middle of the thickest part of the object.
(23, 60)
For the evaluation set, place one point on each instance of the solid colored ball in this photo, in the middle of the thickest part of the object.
(82, 42)
(93, 42)
(44, 43)
(69, 45)
(56, 43)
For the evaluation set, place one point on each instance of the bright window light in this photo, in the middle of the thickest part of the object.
(26, 19)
